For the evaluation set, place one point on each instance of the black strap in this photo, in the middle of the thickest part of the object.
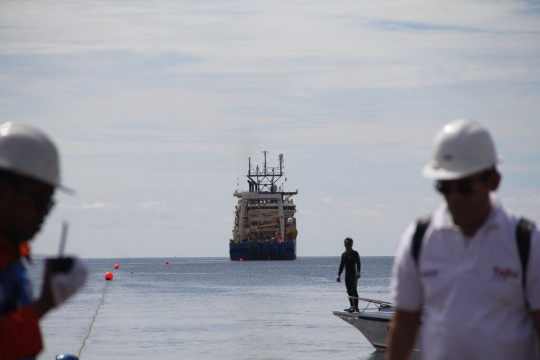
(421, 226)
(523, 238)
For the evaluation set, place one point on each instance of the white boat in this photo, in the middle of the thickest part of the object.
(373, 321)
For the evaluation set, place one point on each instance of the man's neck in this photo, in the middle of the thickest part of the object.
(471, 228)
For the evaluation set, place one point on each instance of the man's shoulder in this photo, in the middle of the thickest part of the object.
(349, 253)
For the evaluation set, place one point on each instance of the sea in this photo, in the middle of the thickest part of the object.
(211, 308)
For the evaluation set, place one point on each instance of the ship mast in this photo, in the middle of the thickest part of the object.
(265, 180)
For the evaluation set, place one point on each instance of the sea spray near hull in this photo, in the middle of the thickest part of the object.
(264, 223)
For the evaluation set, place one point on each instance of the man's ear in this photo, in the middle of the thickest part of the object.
(494, 179)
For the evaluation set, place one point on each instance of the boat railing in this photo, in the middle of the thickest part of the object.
(372, 303)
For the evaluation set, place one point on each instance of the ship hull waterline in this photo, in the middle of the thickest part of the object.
(262, 251)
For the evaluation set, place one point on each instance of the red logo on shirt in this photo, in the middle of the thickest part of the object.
(504, 273)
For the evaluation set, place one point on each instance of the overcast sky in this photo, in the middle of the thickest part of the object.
(157, 105)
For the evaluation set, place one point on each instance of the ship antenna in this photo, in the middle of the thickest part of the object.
(265, 152)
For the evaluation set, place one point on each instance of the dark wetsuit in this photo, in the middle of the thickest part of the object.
(350, 260)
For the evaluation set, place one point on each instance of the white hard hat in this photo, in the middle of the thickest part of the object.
(461, 148)
(26, 151)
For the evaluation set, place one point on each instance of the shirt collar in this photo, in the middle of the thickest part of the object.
(495, 214)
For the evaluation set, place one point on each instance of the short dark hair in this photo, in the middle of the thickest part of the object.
(10, 177)
(348, 239)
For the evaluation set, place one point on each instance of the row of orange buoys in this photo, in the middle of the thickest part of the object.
(109, 275)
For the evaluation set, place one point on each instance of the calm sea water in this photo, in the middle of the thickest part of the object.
(212, 308)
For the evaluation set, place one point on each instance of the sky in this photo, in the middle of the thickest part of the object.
(156, 107)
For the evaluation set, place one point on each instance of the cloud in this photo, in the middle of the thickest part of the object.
(98, 205)
(157, 106)
(327, 200)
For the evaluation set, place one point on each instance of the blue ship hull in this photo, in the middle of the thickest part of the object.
(263, 250)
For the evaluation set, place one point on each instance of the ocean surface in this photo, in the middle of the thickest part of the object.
(212, 308)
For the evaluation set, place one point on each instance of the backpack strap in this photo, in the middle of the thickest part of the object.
(523, 237)
(418, 237)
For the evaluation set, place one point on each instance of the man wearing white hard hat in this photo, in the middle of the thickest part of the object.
(29, 176)
(466, 279)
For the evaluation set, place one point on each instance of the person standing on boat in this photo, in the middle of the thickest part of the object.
(464, 279)
(350, 261)
(29, 175)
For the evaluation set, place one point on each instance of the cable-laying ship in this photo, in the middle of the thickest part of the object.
(264, 223)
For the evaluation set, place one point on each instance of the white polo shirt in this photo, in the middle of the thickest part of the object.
(469, 289)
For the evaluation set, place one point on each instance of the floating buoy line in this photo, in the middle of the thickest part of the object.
(93, 319)
(108, 277)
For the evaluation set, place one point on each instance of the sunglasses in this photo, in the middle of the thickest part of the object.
(42, 202)
(462, 186)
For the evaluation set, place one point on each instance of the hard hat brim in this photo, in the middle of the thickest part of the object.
(65, 189)
(430, 171)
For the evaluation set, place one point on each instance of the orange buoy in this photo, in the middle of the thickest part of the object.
(108, 275)
(167, 262)
(116, 266)
(241, 259)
